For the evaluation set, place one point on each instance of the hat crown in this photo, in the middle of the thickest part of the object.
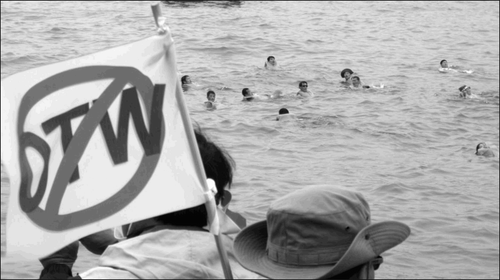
(315, 225)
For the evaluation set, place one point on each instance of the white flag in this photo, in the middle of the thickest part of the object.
(96, 142)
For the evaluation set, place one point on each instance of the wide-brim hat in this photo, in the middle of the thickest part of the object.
(316, 232)
(344, 71)
(370, 242)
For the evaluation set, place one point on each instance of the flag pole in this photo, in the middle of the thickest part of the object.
(210, 204)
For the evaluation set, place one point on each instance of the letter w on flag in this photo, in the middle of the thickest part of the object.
(96, 142)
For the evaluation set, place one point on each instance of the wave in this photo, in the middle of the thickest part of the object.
(193, 3)
(26, 59)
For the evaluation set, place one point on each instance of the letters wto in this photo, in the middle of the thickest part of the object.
(117, 144)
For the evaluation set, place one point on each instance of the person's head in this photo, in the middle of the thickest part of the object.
(346, 73)
(211, 95)
(317, 232)
(480, 147)
(483, 149)
(185, 80)
(283, 111)
(284, 114)
(271, 60)
(247, 93)
(218, 165)
(303, 86)
(444, 63)
(356, 81)
(465, 91)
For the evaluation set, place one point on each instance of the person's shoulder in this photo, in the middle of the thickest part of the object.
(286, 117)
(488, 152)
(210, 104)
(305, 94)
(276, 94)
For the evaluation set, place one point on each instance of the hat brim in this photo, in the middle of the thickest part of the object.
(370, 242)
(345, 71)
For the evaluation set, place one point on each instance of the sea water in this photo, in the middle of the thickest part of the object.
(408, 147)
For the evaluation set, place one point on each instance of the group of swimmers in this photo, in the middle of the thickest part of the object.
(465, 91)
(352, 80)
(482, 149)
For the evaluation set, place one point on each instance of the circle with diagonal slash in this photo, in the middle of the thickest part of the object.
(50, 218)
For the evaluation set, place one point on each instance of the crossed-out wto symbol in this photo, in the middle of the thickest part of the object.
(50, 218)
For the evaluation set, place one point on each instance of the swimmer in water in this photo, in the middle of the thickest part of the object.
(356, 82)
(304, 92)
(451, 68)
(284, 114)
(445, 67)
(211, 99)
(346, 74)
(465, 92)
(186, 82)
(249, 95)
(444, 64)
(276, 94)
(281, 113)
(271, 62)
(482, 149)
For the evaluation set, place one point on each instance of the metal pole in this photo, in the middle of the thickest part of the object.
(210, 204)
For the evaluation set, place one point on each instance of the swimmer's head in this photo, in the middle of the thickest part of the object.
(464, 87)
(272, 60)
(185, 79)
(247, 94)
(444, 63)
(356, 81)
(211, 95)
(480, 146)
(346, 73)
(283, 111)
(303, 86)
(465, 91)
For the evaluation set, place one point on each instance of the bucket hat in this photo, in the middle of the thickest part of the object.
(344, 71)
(315, 232)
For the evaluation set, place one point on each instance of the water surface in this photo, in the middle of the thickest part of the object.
(409, 147)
